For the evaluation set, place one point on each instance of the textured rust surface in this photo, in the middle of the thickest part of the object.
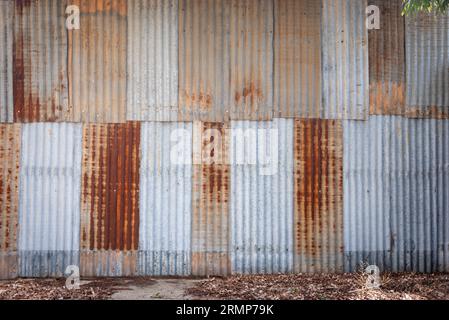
(211, 181)
(9, 185)
(387, 60)
(110, 186)
(318, 176)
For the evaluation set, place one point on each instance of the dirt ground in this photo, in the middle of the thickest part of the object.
(298, 287)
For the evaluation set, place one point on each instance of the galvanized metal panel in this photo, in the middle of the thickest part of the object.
(97, 62)
(297, 58)
(9, 199)
(318, 196)
(40, 79)
(6, 58)
(109, 198)
(225, 60)
(152, 60)
(387, 60)
(210, 225)
(345, 78)
(427, 61)
(165, 199)
(396, 194)
(262, 196)
(49, 193)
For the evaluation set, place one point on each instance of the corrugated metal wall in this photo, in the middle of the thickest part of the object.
(262, 196)
(427, 51)
(110, 199)
(152, 60)
(165, 199)
(49, 205)
(396, 194)
(9, 198)
(6, 58)
(345, 79)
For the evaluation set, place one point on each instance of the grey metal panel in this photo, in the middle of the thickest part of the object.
(6, 65)
(345, 60)
(396, 191)
(165, 199)
(152, 60)
(427, 62)
(49, 198)
(262, 196)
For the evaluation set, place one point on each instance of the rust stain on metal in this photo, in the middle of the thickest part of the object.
(108, 263)
(211, 181)
(387, 60)
(318, 193)
(9, 185)
(109, 6)
(110, 187)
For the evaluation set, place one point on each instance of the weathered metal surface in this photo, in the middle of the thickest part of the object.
(9, 198)
(165, 199)
(49, 199)
(97, 62)
(345, 79)
(262, 196)
(210, 203)
(152, 60)
(318, 195)
(110, 198)
(297, 59)
(6, 58)
(225, 60)
(396, 194)
(427, 50)
(39, 61)
(387, 60)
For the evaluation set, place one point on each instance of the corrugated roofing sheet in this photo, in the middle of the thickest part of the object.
(345, 79)
(152, 60)
(427, 62)
(262, 196)
(387, 60)
(49, 193)
(225, 59)
(297, 58)
(396, 189)
(165, 199)
(6, 58)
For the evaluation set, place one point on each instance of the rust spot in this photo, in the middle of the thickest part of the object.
(102, 6)
(250, 94)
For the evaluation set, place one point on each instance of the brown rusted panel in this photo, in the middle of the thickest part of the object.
(9, 198)
(40, 78)
(211, 181)
(110, 263)
(97, 62)
(318, 195)
(110, 187)
(297, 63)
(225, 59)
(387, 60)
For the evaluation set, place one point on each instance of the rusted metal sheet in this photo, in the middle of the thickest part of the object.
(427, 50)
(211, 181)
(345, 79)
(318, 195)
(97, 62)
(9, 198)
(152, 60)
(225, 60)
(262, 196)
(49, 198)
(110, 198)
(297, 53)
(387, 60)
(6, 58)
(40, 78)
(165, 199)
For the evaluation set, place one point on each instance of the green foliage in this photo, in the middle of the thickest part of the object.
(413, 6)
